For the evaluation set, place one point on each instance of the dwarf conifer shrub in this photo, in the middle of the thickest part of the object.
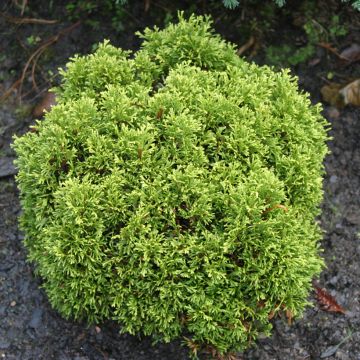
(174, 190)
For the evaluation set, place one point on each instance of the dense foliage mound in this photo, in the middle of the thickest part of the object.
(175, 190)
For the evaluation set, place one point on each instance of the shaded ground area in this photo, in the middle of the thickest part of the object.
(30, 329)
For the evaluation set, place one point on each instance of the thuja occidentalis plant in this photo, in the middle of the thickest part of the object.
(174, 190)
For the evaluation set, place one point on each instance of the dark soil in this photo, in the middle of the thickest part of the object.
(31, 329)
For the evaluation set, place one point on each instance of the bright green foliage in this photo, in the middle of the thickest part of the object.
(175, 190)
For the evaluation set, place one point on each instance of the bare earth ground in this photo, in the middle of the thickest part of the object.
(30, 329)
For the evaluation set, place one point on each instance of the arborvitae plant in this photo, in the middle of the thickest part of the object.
(174, 190)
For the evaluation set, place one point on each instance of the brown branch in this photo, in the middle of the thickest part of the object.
(33, 80)
(23, 6)
(246, 46)
(44, 75)
(146, 5)
(331, 49)
(20, 21)
(34, 58)
(10, 90)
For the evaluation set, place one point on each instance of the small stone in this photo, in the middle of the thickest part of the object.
(4, 344)
(333, 179)
(352, 215)
(333, 112)
(97, 329)
(7, 167)
(13, 303)
(36, 316)
(350, 314)
(7, 266)
(341, 355)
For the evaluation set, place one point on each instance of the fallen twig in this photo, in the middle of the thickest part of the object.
(22, 5)
(246, 46)
(10, 90)
(34, 58)
(331, 49)
(146, 5)
(20, 21)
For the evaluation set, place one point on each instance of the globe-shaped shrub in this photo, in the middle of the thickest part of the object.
(174, 190)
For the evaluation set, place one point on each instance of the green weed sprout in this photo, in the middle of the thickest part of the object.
(174, 190)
